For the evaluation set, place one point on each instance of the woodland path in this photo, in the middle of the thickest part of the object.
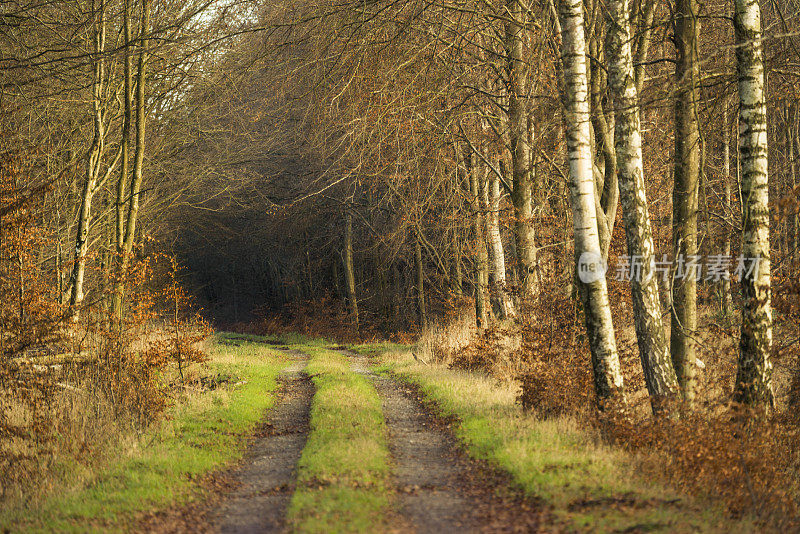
(438, 488)
(265, 477)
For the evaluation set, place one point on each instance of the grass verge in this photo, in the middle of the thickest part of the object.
(343, 473)
(202, 433)
(589, 486)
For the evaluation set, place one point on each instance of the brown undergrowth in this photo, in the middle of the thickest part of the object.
(714, 451)
(75, 383)
(325, 317)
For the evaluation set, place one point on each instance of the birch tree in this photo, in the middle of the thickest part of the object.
(138, 162)
(500, 288)
(481, 260)
(685, 196)
(94, 158)
(653, 351)
(588, 255)
(754, 371)
(127, 66)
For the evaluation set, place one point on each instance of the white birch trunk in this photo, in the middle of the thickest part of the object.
(498, 253)
(138, 163)
(653, 350)
(481, 256)
(754, 374)
(594, 293)
(727, 303)
(93, 161)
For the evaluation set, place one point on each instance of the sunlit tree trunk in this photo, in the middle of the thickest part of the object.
(588, 255)
(505, 305)
(653, 350)
(126, 127)
(754, 373)
(605, 158)
(791, 141)
(93, 162)
(725, 289)
(521, 160)
(138, 163)
(685, 196)
(456, 242)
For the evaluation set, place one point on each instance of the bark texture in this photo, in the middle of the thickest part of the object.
(520, 138)
(138, 163)
(594, 294)
(685, 196)
(94, 162)
(126, 126)
(725, 286)
(653, 350)
(481, 261)
(500, 286)
(754, 373)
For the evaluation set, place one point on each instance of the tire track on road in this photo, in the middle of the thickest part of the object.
(267, 474)
(440, 489)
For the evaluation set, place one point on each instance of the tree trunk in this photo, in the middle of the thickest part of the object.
(725, 288)
(522, 162)
(94, 157)
(643, 41)
(420, 281)
(349, 271)
(791, 137)
(481, 255)
(126, 126)
(685, 197)
(138, 164)
(588, 255)
(398, 295)
(754, 373)
(500, 287)
(653, 350)
(605, 158)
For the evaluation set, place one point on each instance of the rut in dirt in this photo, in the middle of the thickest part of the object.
(266, 478)
(440, 489)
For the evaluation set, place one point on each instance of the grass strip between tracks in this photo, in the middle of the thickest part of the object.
(343, 474)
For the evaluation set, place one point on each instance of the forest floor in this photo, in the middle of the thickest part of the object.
(365, 439)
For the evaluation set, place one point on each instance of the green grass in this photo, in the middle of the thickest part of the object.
(343, 473)
(559, 461)
(199, 435)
